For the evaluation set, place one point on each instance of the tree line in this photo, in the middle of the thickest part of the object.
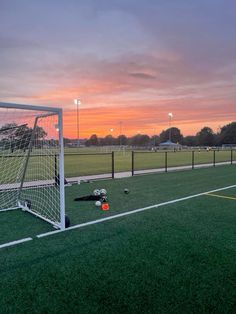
(18, 137)
(14, 136)
(205, 137)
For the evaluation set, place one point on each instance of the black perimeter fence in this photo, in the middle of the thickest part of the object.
(148, 162)
(106, 165)
(139, 162)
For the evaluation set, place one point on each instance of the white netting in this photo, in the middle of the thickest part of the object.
(29, 162)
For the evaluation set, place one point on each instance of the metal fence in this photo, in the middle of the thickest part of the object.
(106, 165)
(138, 162)
(147, 162)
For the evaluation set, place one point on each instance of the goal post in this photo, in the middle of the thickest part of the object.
(32, 161)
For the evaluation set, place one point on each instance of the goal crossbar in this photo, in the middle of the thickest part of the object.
(30, 107)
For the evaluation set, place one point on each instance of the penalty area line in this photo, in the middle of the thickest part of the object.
(15, 242)
(93, 222)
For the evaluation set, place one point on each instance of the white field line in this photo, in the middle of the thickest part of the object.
(15, 242)
(93, 222)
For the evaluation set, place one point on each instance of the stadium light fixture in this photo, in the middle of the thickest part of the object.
(170, 115)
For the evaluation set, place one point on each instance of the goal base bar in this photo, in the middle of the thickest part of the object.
(8, 209)
(57, 225)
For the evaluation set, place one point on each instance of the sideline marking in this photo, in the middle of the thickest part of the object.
(93, 222)
(222, 196)
(15, 242)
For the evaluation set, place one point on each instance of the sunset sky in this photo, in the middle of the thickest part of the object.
(129, 61)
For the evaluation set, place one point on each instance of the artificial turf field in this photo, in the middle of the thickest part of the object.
(177, 258)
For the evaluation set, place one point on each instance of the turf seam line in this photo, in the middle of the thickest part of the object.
(222, 196)
(15, 242)
(132, 212)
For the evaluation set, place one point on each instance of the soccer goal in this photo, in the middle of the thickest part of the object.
(32, 161)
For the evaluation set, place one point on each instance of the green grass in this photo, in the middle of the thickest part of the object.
(90, 161)
(146, 190)
(178, 258)
(84, 164)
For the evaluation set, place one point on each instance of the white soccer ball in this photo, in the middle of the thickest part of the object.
(96, 192)
(98, 203)
(103, 192)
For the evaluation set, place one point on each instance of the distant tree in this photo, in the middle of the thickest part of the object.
(40, 132)
(109, 140)
(155, 140)
(8, 128)
(122, 140)
(66, 140)
(205, 137)
(19, 136)
(190, 140)
(140, 140)
(7, 135)
(176, 136)
(92, 141)
(227, 134)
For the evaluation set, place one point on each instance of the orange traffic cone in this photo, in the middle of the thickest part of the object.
(105, 206)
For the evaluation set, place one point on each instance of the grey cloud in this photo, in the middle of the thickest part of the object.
(142, 75)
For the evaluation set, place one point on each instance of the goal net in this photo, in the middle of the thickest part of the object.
(31, 161)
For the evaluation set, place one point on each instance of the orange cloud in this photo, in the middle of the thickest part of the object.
(145, 119)
(138, 91)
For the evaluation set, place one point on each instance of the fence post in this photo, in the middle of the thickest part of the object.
(192, 159)
(55, 166)
(132, 163)
(214, 158)
(166, 162)
(112, 165)
(231, 157)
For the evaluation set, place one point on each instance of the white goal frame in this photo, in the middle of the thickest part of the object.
(44, 112)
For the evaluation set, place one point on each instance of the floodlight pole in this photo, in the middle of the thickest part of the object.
(154, 138)
(120, 131)
(170, 115)
(77, 103)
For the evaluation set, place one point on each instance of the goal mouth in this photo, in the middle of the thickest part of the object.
(32, 161)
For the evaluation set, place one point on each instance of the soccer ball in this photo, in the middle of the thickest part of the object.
(98, 203)
(103, 192)
(96, 192)
(27, 204)
(126, 191)
(103, 198)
